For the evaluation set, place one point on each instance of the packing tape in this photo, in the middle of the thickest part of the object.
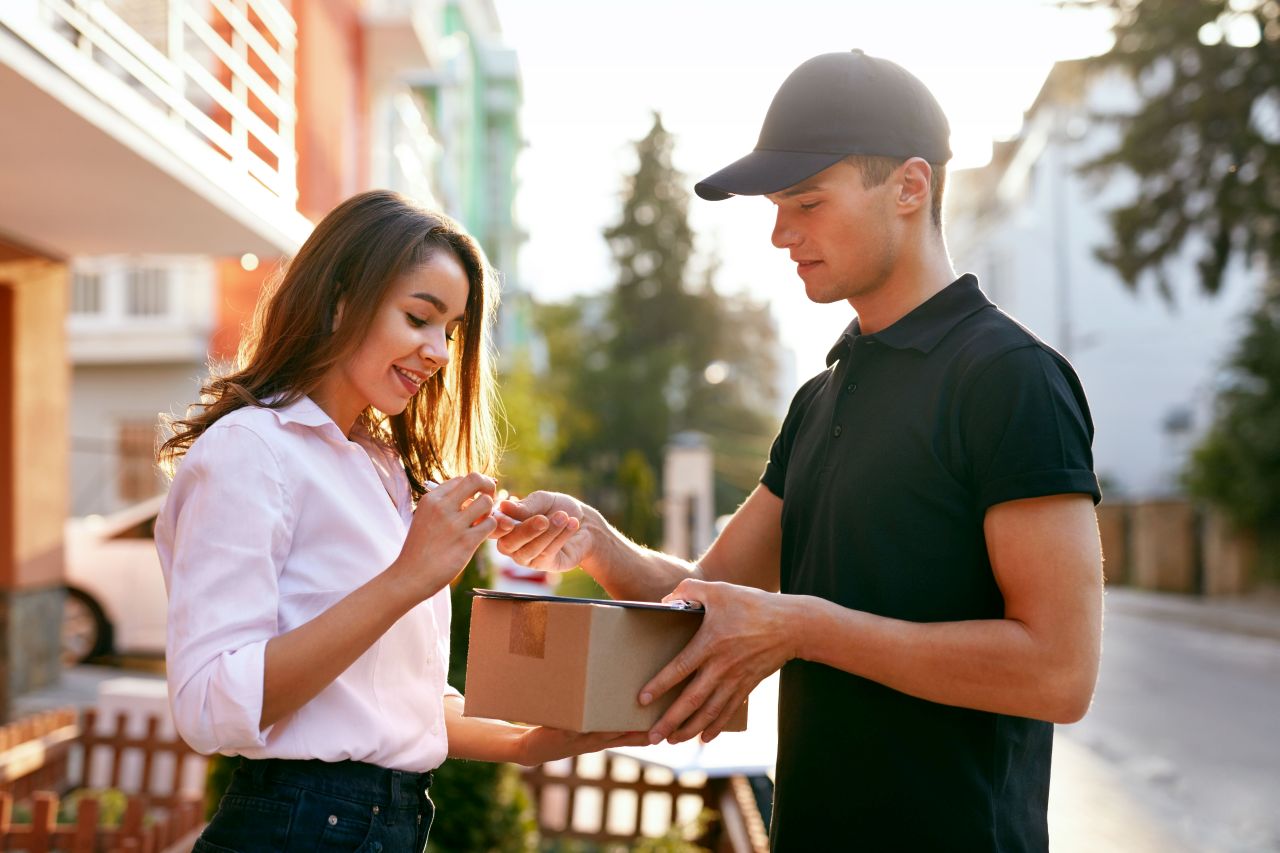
(528, 629)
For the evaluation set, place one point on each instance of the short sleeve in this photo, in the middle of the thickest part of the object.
(222, 538)
(774, 477)
(1026, 429)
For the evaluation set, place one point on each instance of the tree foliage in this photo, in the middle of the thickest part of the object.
(1204, 143)
(660, 352)
(1237, 466)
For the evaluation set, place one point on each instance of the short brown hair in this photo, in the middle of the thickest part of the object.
(876, 170)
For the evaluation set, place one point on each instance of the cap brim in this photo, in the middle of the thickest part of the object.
(764, 172)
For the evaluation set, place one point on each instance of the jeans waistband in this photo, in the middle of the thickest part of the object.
(355, 780)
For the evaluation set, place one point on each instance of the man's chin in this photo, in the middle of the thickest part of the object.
(821, 295)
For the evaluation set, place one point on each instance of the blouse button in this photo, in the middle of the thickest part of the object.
(333, 820)
(375, 809)
(838, 429)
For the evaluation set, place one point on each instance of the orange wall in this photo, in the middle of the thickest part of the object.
(332, 141)
(237, 295)
(331, 131)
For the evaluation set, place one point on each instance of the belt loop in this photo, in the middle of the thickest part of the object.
(255, 771)
(396, 777)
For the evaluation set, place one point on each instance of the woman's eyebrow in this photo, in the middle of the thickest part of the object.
(435, 301)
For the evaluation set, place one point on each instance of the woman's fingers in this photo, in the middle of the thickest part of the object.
(481, 507)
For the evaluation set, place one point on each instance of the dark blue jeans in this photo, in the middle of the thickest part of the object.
(283, 806)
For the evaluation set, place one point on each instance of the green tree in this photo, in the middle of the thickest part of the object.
(1237, 465)
(660, 352)
(1204, 142)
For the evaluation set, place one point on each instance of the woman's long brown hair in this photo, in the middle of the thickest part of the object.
(351, 259)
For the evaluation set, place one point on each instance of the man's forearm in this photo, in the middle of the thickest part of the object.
(627, 570)
(997, 665)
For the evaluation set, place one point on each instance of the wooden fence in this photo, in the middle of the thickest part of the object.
(45, 756)
(627, 796)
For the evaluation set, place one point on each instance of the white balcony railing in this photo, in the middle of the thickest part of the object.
(212, 80)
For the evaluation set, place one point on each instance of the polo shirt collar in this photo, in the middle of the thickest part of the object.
(926, 324)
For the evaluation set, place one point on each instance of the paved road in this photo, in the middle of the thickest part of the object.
(1184, 732)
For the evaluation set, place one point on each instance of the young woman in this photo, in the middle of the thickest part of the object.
(307, 550)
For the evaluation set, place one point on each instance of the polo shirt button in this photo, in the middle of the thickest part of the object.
(836, 432)
(853, 386)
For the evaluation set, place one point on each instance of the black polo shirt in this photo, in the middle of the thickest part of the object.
(886, 463)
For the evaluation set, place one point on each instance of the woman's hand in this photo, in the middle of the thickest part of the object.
(448, 526)
(541, 744)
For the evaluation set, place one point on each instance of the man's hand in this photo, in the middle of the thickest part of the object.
(548, 532)
(745, 636)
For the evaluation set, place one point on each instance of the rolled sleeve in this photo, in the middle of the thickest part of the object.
(222, 540)
(1028, 430)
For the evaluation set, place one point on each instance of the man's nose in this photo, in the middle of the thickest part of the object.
(784, 235)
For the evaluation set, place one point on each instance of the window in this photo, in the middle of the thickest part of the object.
(146, 292)
(86, 293)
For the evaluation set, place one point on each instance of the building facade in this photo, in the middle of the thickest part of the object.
(169, 154)
(1029, 224)
(119, 140)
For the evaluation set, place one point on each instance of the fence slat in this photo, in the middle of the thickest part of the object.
(86, 825)
(175, 815)
(44, 815)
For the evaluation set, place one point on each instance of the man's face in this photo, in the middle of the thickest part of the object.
(841, 235)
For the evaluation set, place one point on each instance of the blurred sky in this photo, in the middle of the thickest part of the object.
(595, 70)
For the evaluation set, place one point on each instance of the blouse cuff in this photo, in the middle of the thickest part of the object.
(235, 698)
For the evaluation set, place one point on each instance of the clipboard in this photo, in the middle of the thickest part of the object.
(679, 606)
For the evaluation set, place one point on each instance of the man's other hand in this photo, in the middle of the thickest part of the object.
(745, 637)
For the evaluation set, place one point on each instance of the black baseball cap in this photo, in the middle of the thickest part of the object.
(832, 106)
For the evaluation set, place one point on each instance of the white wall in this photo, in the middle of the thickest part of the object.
(1143, 360)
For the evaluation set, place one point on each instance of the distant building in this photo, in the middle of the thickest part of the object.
(474, 96)
(411, 95)
(119, 140)
(162, 158)
(1028, 224)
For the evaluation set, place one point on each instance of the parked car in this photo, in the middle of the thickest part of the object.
(115, 592)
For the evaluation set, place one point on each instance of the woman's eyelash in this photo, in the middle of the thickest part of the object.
(416, 322)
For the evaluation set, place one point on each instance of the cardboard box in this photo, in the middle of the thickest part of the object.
(573, 663)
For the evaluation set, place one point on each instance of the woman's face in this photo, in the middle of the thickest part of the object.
(407, 342)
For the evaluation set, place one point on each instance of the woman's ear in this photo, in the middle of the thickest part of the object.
(337, 315)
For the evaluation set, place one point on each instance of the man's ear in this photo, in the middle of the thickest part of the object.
(917, 175)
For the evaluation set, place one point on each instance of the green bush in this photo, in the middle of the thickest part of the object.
(217, 776)
(481, 808)
(1236, 467)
